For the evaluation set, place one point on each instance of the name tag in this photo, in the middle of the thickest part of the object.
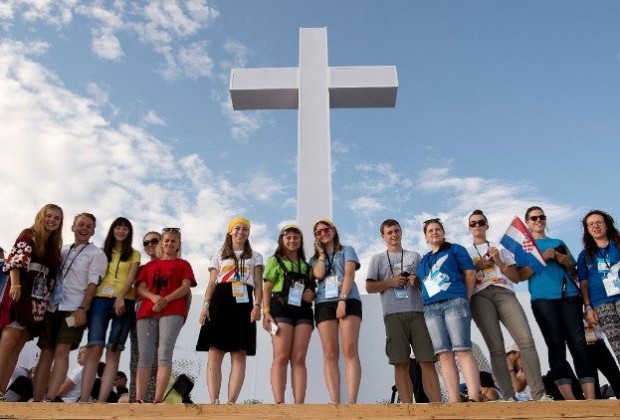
(332, 287)
(39, 288)
(611, 284)
(295, 293)
(601, 265)
(401, 293)
(57, 294)
(240, 292)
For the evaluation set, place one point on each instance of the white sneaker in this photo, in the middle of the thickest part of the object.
(509, 399)
(545, 397)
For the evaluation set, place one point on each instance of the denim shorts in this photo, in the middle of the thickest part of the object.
(99, 316)
(449, 325)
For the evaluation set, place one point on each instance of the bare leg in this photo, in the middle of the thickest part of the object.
(299, 373)
(163, 377)
(470, 373)
(237, 375)
(93, 356)
(112, 358)
(328, 331)
(430, 381)
(350, 332)
(12, 342)
(214, 373)
(142, 379)
(588, 390)
(450, 374)
(59, 370)
(566, 391)
(42, 373)
(282, 343)
(403, 382)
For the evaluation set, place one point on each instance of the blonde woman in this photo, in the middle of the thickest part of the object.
(229, 312)
(32, 265)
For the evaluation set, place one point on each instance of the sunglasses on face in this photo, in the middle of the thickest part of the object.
(151, 242)
(475, 223)
(542, 218)
(322, 231)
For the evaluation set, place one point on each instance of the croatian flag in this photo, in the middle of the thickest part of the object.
(521, 243)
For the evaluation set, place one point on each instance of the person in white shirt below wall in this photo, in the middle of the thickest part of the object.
(493, 302)
(83, 265)
(71, 388)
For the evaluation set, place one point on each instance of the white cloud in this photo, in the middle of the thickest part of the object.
(53, 12)
(195, 61)
(152, 118)
(366, 206)
(68, 153)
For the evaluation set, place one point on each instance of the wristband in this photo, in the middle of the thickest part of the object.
(588, 308)
(266, 310)
(205, 304)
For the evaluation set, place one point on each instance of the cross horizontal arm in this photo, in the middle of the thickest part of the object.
(363, 87)
(267, 88)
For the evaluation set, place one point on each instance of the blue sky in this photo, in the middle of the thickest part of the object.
(122, 108)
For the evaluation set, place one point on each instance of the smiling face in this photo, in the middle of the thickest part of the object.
(291, 242)
(83, 229)
(150, 242)
(239, 234)
(537, 221)
(392, 235)
(595, 223)
(323, 233)
(120, 233)
(52, 220)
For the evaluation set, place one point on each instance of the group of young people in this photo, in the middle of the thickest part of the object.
(428, 303)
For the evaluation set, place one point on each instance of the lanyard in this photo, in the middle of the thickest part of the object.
(239, 267)
(62, 268)
(402, 254)
(330, 264)
(604, 256)
(477, 251)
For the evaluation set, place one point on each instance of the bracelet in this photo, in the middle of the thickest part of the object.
(266, 310)
(16, 286)
(342, 297)
(588, 308)
(257, 304)
(82, 308)
(205, 304)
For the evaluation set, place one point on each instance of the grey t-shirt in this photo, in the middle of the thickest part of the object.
(379, 270)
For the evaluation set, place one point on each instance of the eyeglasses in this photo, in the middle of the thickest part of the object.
(596, 223)
(151, 242)
(322, 231)
(171, 229)
(542, 218)
(475, 223)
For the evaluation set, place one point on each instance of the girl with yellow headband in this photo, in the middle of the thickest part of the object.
(229, 311)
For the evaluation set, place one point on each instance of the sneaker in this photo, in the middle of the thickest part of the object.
(509, 399)
(545, 397)
(2, 398)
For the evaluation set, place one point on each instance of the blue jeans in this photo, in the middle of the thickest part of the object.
(449, 325)
(99, 316)
(561, 324)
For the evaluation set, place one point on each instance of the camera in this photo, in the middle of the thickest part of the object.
(561, 249)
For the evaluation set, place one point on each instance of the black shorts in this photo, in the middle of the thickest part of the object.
(326, 311)
(290, 314)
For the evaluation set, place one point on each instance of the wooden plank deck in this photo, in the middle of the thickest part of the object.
(600, 409)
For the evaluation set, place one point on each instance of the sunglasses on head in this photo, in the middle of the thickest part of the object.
(151, 242)
(475, 223)
(171, 229)
(542, 217)
(322, 231)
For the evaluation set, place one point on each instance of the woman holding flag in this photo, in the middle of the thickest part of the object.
(557, 307)
(494, 301)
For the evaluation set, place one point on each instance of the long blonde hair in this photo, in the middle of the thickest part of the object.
(45, 242)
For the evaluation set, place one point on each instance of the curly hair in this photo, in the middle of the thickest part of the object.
(589, 244)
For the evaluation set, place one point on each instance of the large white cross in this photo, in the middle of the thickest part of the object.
(313, 88)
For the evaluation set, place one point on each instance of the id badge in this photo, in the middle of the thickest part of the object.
(39, 288)
(294, 294)
(332, 287)
(57, 294)
(601, 265)
(590, 335)
(610, 282)
(401, 293)
(240, 292)
(108, 292)
(431, 285)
